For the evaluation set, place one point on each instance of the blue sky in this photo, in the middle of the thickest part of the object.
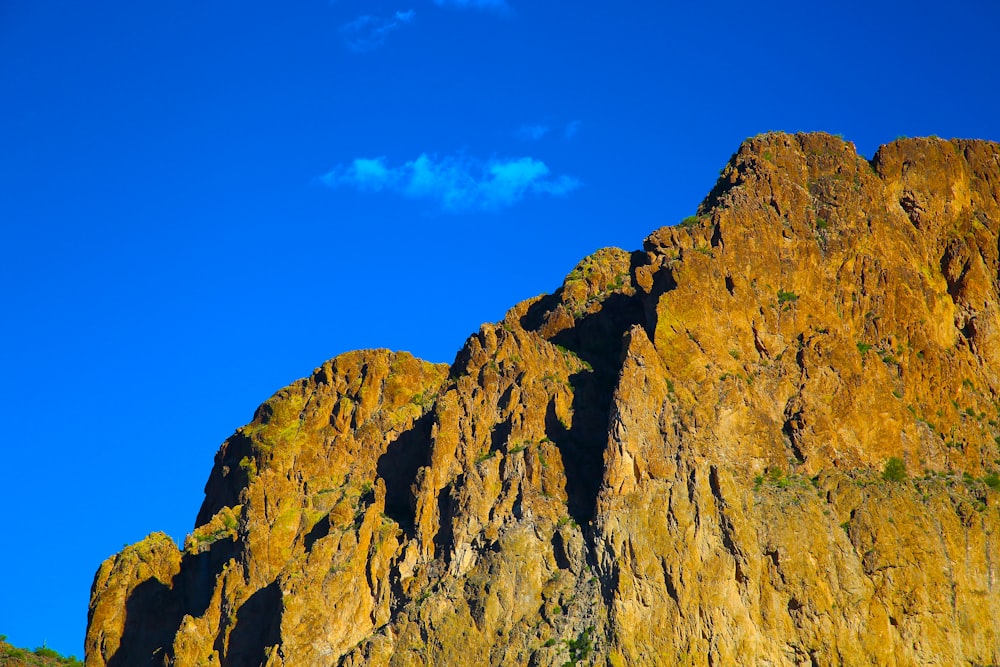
(201, 201)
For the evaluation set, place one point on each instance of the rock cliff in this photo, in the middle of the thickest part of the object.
(770, 437)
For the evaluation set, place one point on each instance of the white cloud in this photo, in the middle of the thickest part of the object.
(370, 174)
(531, 132)
(456, 184)
(489, 5)
(367, 33)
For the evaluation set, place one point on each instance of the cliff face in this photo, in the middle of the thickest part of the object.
(679, 457)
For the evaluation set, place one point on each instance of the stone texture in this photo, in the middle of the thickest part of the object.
(676, 458)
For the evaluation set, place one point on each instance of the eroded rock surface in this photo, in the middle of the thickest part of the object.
(676, 458)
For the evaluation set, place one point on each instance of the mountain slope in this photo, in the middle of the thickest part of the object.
(42, 656)
(769, 437)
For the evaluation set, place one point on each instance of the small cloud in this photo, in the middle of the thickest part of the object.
(572, 128)
(367, 175)
(531, 132)
(367, 33)
(500, 6)
(456, 184)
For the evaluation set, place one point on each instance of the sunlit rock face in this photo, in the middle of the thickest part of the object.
(767, 438)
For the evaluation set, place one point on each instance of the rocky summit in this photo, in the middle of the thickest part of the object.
(770, 437)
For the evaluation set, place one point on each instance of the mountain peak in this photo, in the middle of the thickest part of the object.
(769, 435)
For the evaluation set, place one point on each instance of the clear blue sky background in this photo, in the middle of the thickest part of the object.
(202, 200)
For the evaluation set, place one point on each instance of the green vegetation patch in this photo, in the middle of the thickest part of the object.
(894, 470)
(787, 297)
(580, 648)
(42, 656)
(777, 478)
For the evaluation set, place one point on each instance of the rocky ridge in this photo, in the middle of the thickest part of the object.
(769, 437)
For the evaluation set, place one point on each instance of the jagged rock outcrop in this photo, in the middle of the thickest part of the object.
(676, 458)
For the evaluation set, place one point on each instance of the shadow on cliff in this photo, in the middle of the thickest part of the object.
(153, 613)
(154, 610)
(398, 468)
(258, 627)
(223, 489)
(581, 447)
(597, 339)
(318, 532)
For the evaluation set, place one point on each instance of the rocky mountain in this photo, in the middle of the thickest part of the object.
(770, 437)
